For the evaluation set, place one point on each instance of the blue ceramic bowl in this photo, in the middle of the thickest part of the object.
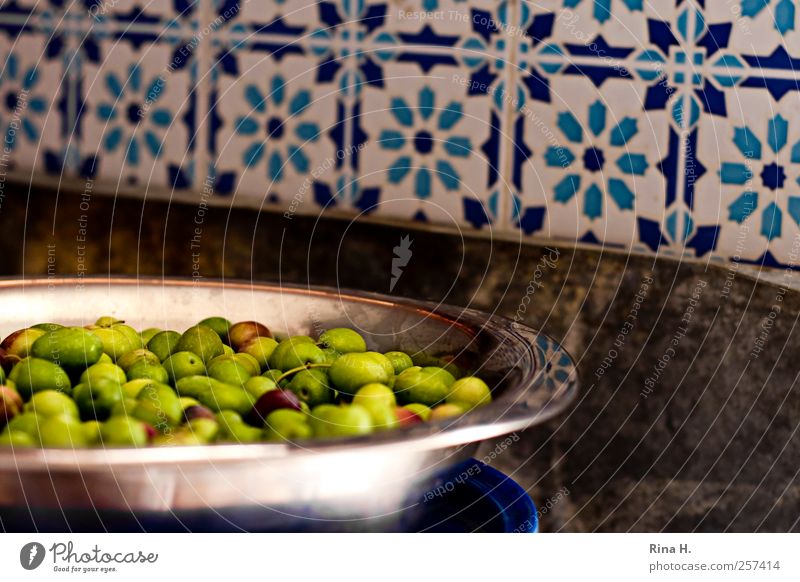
(483, 500)
(469, 497)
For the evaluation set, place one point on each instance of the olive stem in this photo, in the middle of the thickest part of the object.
(288, 373)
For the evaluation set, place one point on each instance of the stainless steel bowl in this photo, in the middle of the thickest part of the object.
(347, 482)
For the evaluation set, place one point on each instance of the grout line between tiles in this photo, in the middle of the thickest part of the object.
(347, 176)
(204, 65)
(507, 145)
(684, 133)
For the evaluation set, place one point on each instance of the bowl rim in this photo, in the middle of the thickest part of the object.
(504, 415)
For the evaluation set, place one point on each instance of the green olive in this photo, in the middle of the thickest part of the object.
(159, 406)
(48, 403)
(335, 421)
(400, 361)
(226, 397)
(352, 371)
(247, 361)
(11, 404)
(312, 387)
(229, 371)
(204, 428)
(96, 400)
(149, 334)
(127, 361)
(220, 325)
(35, 375)
(261, 349)
(375, 394)
(446, 411)
(132, 388)
(343, 340)
(194, 386)
(294, 352)
(16, 439)
(331, 355)
(107, 321)
(91, 431)
(103, 372)
(273, 375)
(201, 340)
(420, 410)
(62, 431)
(27, 422)
(257, 385)
(287, 425)
(469, 392)
(216, 395)
(428, 386)
(19, 343)
(178, 438)
(380, 402)
(163, 344)
(233, 429)
(47, 326)
(186, 402)
(70, 347)
(116, 341)
(123, 431)
(144, 371)
(124, 407)
(182, 364)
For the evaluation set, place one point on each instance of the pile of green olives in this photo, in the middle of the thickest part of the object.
(108, 384)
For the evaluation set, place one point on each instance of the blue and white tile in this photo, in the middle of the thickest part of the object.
(622, 25)
(590, 166)
(276, 131)
(426, 148)
(747, 205)
(436, 23)
(138, 115)
(758, 27)
(33, 119)
(444, 34)
(279, 26)
(26, 13)
(139, 13)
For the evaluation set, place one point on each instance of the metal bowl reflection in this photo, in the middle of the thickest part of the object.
(353, 483)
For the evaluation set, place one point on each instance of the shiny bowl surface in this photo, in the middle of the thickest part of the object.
(315, 483)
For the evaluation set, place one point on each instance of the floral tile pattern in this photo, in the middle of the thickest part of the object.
(591, 169)
(32, 105)
(667, 126)
(276, 132)
(430, 111)
(428, 152)
(702, 89)
(137, 116)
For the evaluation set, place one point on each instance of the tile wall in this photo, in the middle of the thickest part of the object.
(668, 126)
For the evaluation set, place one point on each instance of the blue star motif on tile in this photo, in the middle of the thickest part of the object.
(426, 141)
(24, 102)
(557, 368)
(481, 49)
(594, 160)
(278, 126)
(781, 12)
(132, 115)
(601, 9)
(758, 162)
